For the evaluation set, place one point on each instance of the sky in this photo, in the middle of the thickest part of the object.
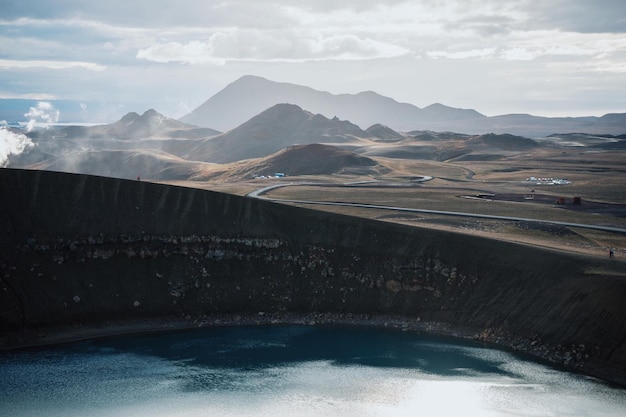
(546, 58)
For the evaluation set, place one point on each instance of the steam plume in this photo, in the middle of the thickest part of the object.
(12, 143)
(44, 112)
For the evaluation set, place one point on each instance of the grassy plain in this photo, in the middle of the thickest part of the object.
(491, 184)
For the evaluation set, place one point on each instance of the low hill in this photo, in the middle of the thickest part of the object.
(314, 159)
(278, 127)
(503, 141)
(443, 146)
(429, 135)
(384, 133)
(402, 151)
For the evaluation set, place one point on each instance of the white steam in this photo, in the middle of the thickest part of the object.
(12, 143)
(44, 113)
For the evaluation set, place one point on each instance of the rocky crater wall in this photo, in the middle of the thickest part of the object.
(80, 251)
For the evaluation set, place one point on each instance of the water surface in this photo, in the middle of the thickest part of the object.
(292, 371)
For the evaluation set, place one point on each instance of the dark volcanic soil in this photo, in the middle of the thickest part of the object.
(87, 255)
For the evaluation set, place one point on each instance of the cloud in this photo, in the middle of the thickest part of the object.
(44, 112)
(528, 46)
(12, 144)
(519, 54)
(580, 16)
(271, 46)
(57, 65)
(473, 53)
(193, 52)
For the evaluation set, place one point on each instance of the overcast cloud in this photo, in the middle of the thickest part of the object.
(559, 57)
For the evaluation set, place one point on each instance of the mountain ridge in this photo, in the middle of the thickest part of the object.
(276, 128)
(250, 95)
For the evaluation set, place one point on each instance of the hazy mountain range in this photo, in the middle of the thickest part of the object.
(250, 95)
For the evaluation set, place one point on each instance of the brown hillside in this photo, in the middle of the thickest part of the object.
(276, 128)
(315, 159)
(504, 142)
(384, 133)
(148, 164)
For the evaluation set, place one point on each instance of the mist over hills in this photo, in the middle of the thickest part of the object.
(148, 145)
(132, 126)
(283, 138)
(250, 95)
(156, 147)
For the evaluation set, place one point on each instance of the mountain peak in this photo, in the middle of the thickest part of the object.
(151, 122)
(291, 119)
(129, 117)
(438, 111)
(151, 113)
(250, 95)
(383, 132)
(148, 115)
(277, 127)
(285, 108)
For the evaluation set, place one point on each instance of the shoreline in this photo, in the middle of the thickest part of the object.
(50, 337)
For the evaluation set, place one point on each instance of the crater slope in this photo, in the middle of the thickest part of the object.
(83, 255)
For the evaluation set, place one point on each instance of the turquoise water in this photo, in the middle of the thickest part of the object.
(292, 371)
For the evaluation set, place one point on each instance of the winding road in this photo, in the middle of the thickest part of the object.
(261, 191)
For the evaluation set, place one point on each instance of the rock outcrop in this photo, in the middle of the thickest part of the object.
(79, 251)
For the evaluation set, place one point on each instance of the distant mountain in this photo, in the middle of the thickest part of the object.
(151, 124)
(250, 95)
(278, 127)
